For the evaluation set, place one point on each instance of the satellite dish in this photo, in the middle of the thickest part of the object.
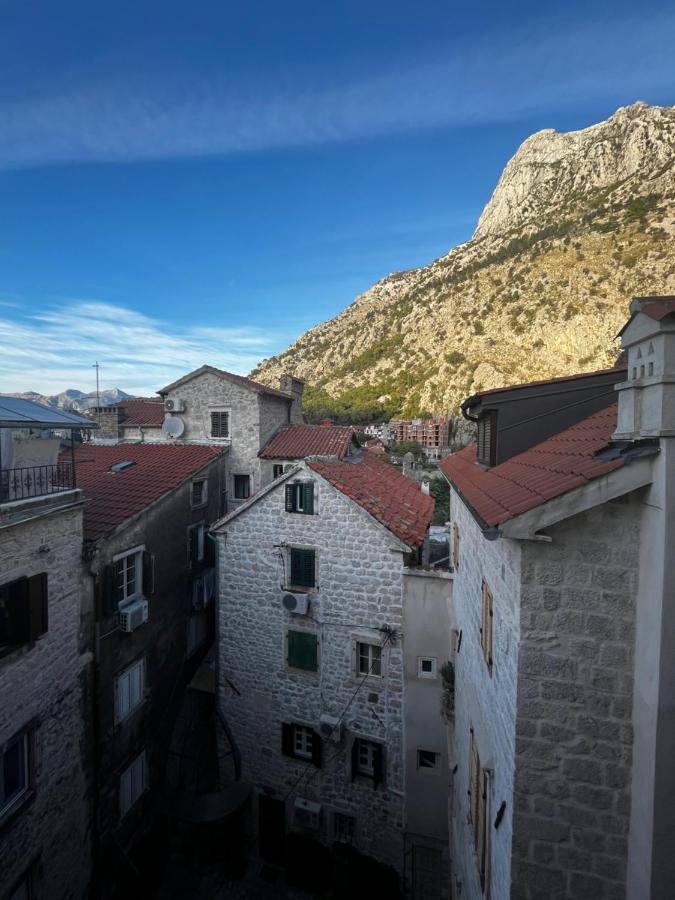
(173, 426)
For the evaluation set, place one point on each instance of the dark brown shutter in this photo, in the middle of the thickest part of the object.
(317, 746)
(355, 758)
(287, 739)
(109, 592)
(148, 574)
(38, 605)
(18, 613)
(378, 764)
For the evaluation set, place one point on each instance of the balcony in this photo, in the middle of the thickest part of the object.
(36, 481)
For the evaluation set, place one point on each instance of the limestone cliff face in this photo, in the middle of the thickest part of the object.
(578, 224)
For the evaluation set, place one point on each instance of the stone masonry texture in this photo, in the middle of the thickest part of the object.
(359, 590)
(47, 682)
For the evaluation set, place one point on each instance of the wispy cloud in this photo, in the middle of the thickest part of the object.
(108, 116)
(55, 349)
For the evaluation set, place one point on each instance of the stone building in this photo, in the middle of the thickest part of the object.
(563, 729)
(149, 576)
(136, 419)
(46, 801)
(296, 442)
(316, 651)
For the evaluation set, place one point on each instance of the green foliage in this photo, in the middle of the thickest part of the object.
(455, 358)
(400, 448)
(440, 491)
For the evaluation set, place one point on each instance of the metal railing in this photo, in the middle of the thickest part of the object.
(36, 481)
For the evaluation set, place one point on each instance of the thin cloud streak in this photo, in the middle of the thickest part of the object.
(146, 117)
(52, 350)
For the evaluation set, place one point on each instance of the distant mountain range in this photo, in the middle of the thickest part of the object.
(74, 400)
(578, 224)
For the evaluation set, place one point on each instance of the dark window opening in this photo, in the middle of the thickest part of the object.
(277, 471)
(242, 487)
(23, 611)
(303, 568)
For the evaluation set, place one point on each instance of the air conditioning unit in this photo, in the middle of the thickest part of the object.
(296, 603)
(306, 814)
(173, 405)
(330, 728)
(134, 615)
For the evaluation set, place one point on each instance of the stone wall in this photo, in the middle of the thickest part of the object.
(359, 592)
(48, 682)
(574, 733)
(483, 702)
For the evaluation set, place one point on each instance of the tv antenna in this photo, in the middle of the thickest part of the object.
(98, 398)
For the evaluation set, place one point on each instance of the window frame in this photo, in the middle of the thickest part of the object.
(138, 664)
(479, 811)
(486, 626)
(435, 767)
(247, 483)
(428, 675)
(371, 646)
(300, 586)
(26, 737)
(129, 770)
(277, 471)
(204, 497)
(220, 411)
(138, 576)
(374, 768)
(300, 497)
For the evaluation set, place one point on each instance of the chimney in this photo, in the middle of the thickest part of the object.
(647, 397)
(289, 384)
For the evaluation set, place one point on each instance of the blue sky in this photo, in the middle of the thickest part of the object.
(197, 182)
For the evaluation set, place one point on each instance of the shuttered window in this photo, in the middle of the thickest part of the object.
(24, 613)
(303, 567)
(487, 425)
(300, 497)
(129, 690)
(220, 424)
(479, 786)
(133, 782)
(368, 760)
(303, 651)
(487, 617)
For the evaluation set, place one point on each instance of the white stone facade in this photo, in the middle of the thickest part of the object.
(358, 593)
(45, 685)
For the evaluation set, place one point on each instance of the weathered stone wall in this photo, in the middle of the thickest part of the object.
(483, 702)
(48, 682)
(574, 732)
(359, 591)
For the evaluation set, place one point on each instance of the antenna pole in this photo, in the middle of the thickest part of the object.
(98, 399)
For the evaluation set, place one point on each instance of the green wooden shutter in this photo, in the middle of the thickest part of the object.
(290, 498)
(296, 566)
(308, 577)
(37, 605)
(302, 567)
(302, 651)
(308, 498)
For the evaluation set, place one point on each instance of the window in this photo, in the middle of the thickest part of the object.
(23, 611)
(301, 742)
(277, 470)
(427, 759)
(368, 659)
(220, 424)
(426, 666)
(303, 567)
(16, 776)
(368, 760)
(455, 546)
(303, 650)
(199, 492)
(300, 497)
(129, 690)
(196, 545)
(242, 487)
(128, 568)
(487, 434)
(486, 625)
(133, 782)
(343, 827)
(478, 810)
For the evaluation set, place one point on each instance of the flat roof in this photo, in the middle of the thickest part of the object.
(18, 413)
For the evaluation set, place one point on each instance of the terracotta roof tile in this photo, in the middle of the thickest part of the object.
(142, 411)
(557, 465)
(301, 441)
(391, 498)
(113, 497)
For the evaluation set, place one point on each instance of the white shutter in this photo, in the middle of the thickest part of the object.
(136, 674)
(122, 696)
(133, 782)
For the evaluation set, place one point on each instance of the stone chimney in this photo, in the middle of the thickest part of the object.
(289, 384)
(647, 397)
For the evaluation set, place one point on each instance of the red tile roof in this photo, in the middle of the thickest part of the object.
(142, 411)
(114, 497)
(391, 498)
(557, 465)
(301, 441)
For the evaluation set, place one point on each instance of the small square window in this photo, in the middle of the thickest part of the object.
(199, 492)
(426, 666)
(220, 424)
(368, 659)
(277, 471)
(368, 760)
(427, 759)
(242, 487)
(128, 575)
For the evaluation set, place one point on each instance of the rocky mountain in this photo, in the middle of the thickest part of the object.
(74, 400)
(578, 224)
